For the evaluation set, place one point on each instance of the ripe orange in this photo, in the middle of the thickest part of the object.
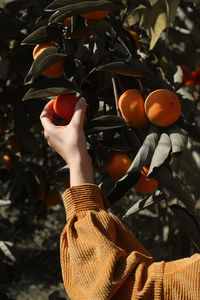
(131, 106)
(52, 198)
(143, 185)
(136, 37)
(7, 160)
(95, 15)
(2, 124)
(162, 107)
(118, 164)
(64, 105)
(55, 70)
(67, 22)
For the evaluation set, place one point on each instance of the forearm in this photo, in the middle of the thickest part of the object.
(81, 170)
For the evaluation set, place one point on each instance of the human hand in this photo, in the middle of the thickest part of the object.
(69, 140)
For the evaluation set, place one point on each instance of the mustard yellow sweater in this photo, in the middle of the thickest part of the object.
(101, 259)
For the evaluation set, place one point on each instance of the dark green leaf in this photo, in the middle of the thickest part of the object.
(122, 186)
(82, 7)
(146, 151)
(144, 203)
(43, 34)
(105, 122)
(49, 87)
(55, 5)
(166, 179)
(189, 224)
(160, 155)
(178, 138)
(134, 68)
(46, 59)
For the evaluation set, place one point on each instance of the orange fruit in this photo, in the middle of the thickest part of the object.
(143, 185)
(131, 106)
(118, 164)
(67, 22)
(64, 105)
(2, 124)
(55, 70)
(95, 15)
(52, 198)
(7, 160)
(136, 37)
(13, 145)
(162, 107)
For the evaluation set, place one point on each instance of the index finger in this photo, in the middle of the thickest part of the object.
(46, 115)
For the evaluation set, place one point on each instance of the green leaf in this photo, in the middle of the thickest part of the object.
(189, 224)
(49, 87)
(122, 186)
(160, 154)
(43, 34)
(134, 68)
(146, 151)
(105, 122)
(55, 5)
(154, 20)
(83, 7)
(43, 61)
(178, 138)
(144, 203)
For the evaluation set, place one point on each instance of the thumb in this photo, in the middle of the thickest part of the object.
(79, 112)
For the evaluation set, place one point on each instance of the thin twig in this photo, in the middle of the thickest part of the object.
(115, 94)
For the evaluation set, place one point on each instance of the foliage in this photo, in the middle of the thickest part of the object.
(101, 61)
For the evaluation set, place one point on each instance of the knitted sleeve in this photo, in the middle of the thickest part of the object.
(101, 259)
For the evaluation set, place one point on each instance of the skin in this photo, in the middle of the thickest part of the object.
(69, 142)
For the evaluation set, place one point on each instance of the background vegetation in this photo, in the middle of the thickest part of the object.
(147, 45)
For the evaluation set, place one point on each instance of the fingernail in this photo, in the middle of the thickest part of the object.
(82, 100)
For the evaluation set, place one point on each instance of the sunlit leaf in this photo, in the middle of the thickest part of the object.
(145, 153)
(143, 203)
(178, 138)
(160, 154)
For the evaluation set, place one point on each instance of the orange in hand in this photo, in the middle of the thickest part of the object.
(162, 107)
(118, 164)
(131, 106)
(55, 70)
(64, 106)
(95, 15)
(143, 185)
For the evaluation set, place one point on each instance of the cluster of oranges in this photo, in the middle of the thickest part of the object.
(57, 69)
(162, 108)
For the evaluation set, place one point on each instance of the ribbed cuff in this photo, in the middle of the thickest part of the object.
(84, 197)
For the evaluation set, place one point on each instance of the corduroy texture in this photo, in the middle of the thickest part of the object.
(101, 259)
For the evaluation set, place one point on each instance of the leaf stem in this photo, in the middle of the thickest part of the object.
(115, 94)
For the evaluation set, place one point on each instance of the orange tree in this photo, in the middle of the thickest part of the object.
(105, 48)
